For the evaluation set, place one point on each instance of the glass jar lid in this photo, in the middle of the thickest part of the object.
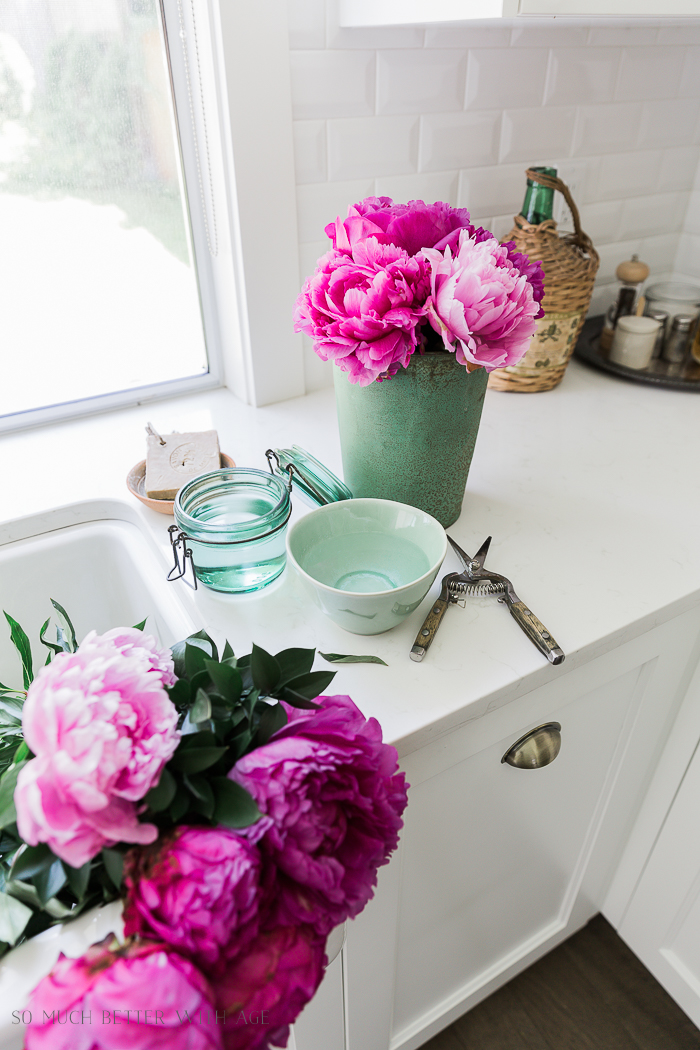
(314, 482)
(674, 291)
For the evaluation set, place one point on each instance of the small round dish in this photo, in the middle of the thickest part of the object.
(136, 484)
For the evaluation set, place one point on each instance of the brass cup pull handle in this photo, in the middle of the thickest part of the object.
(537, 748)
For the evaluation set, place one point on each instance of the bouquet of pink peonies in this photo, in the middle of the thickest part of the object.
(238, 814)
(401, 275)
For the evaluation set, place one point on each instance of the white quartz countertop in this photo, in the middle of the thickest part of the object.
(590, 491)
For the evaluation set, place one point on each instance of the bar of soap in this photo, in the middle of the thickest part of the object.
(183, 456)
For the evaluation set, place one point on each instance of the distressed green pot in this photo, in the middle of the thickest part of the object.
(411, 438)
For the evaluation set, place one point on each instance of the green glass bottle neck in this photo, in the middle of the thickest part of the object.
(539, 200)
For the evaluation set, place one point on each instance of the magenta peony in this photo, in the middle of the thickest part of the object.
(267, 987)
(411, 226)
(101, 727)
(139, 997)
(197, 890)
(361, 309)
(332, 801)
(481, 303)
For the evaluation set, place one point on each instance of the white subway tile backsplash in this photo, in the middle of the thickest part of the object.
(502, 78)
(535, 136)
(648, 73)
(428, 81)
(492, 191)
(659, 253)
(319, 204)
(581, 72)
(688, 255)
(671, 123)
(500, 225)
(623, 36)
(459, 140)
(692, 215)
(628, 174)
(686, 34)
(612, 127)
(307, 23)
(372, 146)
(559, 36)
(604, 295)
(678, 168)
(611, 255)
(428, 187)
(601, 221)
(394, 36)
(690, 79)
(652, 215)
(332, 83)
(310, 151)
(310, 253)
(471, 35)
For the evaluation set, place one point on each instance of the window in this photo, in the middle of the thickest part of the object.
(105, 271)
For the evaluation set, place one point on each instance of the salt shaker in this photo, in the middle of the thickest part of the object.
(676, 345)
(633, 342)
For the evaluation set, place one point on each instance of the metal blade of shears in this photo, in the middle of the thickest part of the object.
(476, 563)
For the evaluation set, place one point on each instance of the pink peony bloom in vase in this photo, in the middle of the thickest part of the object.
(102, 727)
(140, 997)
(411, 226)
(481, 303)
(266, 988)
(361, 309)
(197, 889)
(332, 800)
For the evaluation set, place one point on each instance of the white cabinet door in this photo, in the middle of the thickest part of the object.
(321, 1024)
(662, 923)
(497, 864)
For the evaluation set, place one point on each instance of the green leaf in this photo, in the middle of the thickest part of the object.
(140, 626)
(312, 684)
(201, 708)
(78, 878)
(228, 653)
(53, 647)
(114, 865)
(8, 783)
(203, 793)
(194, 659)
(235, 807)
(226, 679)
(14, 916)
(49, 881)
(67, 626)
(209, 647)
(294, 662)
(31, 860)
(343, 658)
(178, 654)
(180, 804)
(195, 759)
(21, 644)
(264, 669)
(297, 700)
(180, 693)
(160, 796)
(272, 718)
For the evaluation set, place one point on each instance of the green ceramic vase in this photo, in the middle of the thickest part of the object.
(411, 438)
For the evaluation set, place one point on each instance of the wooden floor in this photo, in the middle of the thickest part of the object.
(590, 993)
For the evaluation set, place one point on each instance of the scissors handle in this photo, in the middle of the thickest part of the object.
(432, 621)
(535, 630)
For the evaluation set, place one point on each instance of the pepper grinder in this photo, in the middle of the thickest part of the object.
(632, 273)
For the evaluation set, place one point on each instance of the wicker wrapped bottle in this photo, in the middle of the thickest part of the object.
(570, 264)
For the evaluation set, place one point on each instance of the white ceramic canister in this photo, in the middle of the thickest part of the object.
(633, 341)
(674, 298)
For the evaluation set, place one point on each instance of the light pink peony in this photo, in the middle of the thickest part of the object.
(102, 727)
(130, 641)
(332, 800)
(264, 990)
(362, 308)
(196, 889)
(481, 303)
(139, 997)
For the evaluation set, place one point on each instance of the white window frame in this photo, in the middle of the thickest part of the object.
(232, 116)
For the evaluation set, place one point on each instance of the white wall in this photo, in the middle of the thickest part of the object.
(458, 113)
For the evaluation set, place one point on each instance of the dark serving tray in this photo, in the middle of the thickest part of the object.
(658, 373)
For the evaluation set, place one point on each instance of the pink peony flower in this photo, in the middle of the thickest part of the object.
(197, 890)
(481, 303)
(101, 727)
(361, 309)
(129, 640)
(139, 997)
(268, 986)
(411, 226)
(332, 801)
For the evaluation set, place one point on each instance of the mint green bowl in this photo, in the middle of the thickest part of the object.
(367, 563)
